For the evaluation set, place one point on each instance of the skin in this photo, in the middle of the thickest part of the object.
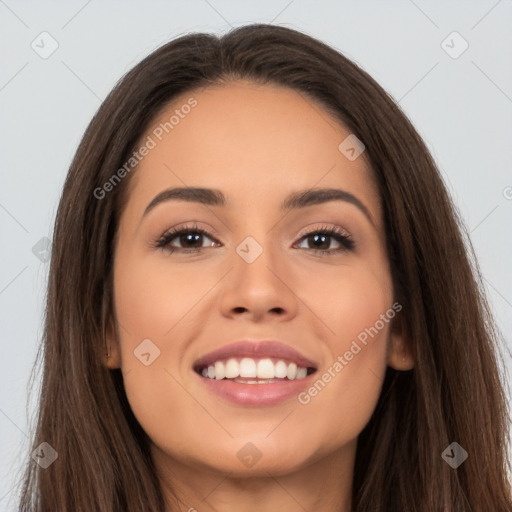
(256, 144)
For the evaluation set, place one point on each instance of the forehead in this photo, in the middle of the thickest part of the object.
(255, 142)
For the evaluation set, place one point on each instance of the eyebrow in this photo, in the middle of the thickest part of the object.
(296, 200)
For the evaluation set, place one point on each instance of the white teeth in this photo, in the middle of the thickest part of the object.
(265, 369)
(247, 367)
(232, 369)
(220, 371)
(281, 370)
(301, 373)
(250, 368)
(292, 371)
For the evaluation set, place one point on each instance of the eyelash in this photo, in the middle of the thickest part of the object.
(346, 242)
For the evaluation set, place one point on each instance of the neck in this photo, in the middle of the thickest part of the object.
(323, 484)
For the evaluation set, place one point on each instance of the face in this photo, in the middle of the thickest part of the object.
(313, 278)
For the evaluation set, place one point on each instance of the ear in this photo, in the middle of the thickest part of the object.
(111, 357)
(400, 353)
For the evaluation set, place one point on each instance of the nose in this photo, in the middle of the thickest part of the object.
(260, 290)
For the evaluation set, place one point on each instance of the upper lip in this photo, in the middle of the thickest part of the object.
(256, 349)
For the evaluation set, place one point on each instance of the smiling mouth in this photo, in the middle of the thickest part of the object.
(248, 370)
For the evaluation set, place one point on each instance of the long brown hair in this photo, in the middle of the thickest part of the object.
(455, 392)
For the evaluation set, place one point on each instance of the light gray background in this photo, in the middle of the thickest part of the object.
(461, 106)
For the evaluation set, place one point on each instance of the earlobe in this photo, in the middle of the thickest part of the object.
(400, 353)
(110, 356)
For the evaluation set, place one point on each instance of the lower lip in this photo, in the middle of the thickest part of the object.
(256, 394)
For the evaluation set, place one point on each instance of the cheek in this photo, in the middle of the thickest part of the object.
(148, 306)
(357, 308)
(151, 300)
(349, 299)
(155, 302)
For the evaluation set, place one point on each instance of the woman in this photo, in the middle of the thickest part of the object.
(260, 299)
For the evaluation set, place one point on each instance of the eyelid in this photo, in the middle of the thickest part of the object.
(324, 227)
(192, 225)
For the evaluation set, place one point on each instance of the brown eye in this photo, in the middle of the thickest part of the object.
(321, 239)
(189, 240)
